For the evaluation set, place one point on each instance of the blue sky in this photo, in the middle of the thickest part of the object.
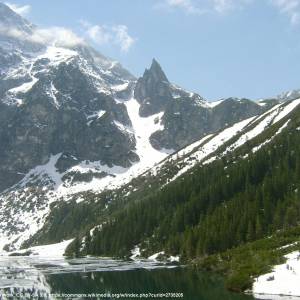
(218, 48)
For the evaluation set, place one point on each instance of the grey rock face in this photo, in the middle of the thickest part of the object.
(290, 95)
(187, 116)
(38, 128)
(285, 96)
(184, 121)
(58, 103)
(233, 110)
(153, 90)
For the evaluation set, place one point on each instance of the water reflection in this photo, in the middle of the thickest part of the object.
(37, 278)
(194, 286)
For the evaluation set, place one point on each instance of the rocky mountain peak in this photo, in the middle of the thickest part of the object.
(156, 72)
(153, 90)
(289, 95)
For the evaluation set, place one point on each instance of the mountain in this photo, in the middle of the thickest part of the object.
(58, 100)
(285, 96)
(76, 124)
(290, 95)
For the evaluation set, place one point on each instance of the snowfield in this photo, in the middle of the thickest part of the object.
(283, 280)
(45, 251)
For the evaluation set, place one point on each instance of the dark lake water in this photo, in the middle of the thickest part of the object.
(89, 278)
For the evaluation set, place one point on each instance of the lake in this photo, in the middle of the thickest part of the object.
(89, 278)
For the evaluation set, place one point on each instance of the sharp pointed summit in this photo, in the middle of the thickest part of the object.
(157, 72)
(153, 90)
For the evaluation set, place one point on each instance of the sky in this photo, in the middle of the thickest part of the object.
(217, 48)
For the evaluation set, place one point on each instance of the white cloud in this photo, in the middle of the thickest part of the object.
(222, 6)
(117, 35)
(188, 5)
(98, 34)
(12, 32)
(122, 37)
(103, 35)
(58, 36)
(199, 7)
(22, 10)
(291, 8)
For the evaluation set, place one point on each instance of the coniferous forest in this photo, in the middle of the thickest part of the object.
(240, 198)
(216, 207)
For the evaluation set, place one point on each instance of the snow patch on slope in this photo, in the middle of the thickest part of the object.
(269, 140)
(53, 56)
(252, 133)
(143, 129)
(117, 176)
(135, 253)
(120, 87)
(155, 256)
(12, 94)
(283, 280)
(264, 121)
(57, 55)
(215, 103)
(198, 152)
(48, 169)
(212, 145)
(51, 251)
(190, 156)
(22, 213)
(286, 110)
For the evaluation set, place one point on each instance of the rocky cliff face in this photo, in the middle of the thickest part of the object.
(153, 90)
(58, 100)
(186, 116)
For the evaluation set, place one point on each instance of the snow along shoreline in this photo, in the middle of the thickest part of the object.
(136, 256)
(45, 251)
(282, 283)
